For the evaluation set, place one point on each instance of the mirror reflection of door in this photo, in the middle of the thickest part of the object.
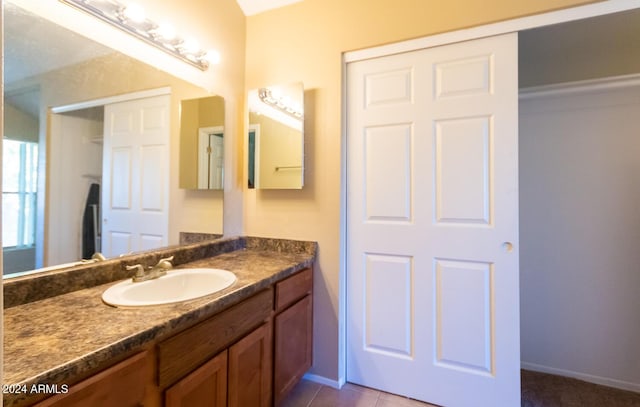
(135, 174)
(210, 158)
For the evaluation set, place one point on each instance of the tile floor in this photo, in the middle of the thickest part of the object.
(310, 394)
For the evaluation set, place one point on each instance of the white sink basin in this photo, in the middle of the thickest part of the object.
(176, 286)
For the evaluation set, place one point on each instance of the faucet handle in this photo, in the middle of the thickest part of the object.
(97, 256)
(138, 268)
(165, 263)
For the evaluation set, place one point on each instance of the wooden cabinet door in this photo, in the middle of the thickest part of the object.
(122, 385)
(293, 331)
(250, 369)
(205, 386)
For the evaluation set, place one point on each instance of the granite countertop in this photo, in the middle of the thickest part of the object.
(62, 339)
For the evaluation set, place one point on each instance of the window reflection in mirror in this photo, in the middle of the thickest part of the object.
(202, 143)
(19, 184)
(276, 137)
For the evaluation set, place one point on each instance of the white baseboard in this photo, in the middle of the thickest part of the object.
(605, 381)
(336, 384)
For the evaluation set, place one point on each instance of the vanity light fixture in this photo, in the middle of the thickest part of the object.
(281, 103)
(131, 19)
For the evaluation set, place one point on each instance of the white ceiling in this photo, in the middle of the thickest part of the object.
(23, 41)
(251, 7)
(27, 55)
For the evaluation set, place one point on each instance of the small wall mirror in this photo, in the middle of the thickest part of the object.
(276, 137)
(202, 143)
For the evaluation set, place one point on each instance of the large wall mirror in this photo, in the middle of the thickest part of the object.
(53, 176)
(276, 137)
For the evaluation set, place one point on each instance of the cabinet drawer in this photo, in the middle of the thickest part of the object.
(182, 353)
(120, 385)
(293, 288)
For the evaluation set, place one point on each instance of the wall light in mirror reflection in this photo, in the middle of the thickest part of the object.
(284, 103)
(276, 137)
(131, 18)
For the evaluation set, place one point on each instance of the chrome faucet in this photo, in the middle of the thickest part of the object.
(156, 271)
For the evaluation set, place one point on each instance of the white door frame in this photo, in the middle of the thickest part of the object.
(514, 25)
(203, 143)
(143, 94)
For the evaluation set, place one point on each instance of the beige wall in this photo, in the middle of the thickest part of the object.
(304, 42)
(19, 125)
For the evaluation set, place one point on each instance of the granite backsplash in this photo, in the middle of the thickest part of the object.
(35, 287)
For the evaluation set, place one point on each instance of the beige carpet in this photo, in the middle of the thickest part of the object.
(544, 390)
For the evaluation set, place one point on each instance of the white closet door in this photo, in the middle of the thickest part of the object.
(135, 200)
(432, 208)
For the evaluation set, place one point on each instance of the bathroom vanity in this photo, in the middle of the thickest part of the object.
(248, 344)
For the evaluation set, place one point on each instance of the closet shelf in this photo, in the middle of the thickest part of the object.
(95, 177)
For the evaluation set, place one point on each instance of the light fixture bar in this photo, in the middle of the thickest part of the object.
(144, 29)
(266, 96)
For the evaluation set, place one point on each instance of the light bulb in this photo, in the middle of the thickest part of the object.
(191, 45)
(134, 12)
(276, 93)
(166, 31)
(212, 56)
